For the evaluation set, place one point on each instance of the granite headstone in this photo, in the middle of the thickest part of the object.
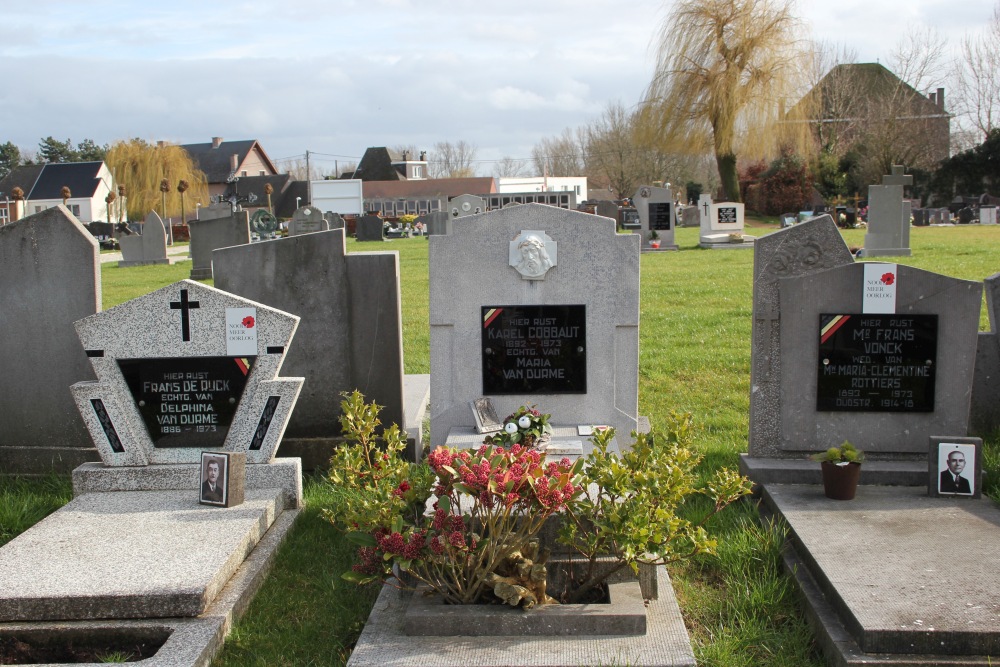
(51, 277)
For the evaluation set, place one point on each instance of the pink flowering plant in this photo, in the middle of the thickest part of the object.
(486, 506)
(465, 523)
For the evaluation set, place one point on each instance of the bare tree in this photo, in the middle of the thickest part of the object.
(977, 82)
(407, 151)
(562, 155)
(508, 167)
(452, 160)
(724, 69)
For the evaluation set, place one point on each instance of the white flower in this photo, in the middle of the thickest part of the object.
(510, 427)
(524, 421)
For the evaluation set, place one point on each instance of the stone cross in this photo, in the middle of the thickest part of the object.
(897, 177)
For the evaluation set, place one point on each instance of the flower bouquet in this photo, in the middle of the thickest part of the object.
(525, 426)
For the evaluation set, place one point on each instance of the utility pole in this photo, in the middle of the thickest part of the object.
(309, 193)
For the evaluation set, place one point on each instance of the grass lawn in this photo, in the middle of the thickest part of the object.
(694, 356)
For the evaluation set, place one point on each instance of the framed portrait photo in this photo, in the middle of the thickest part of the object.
(221, 478)
(954, 467)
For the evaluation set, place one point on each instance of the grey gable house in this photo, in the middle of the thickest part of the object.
(218, 159)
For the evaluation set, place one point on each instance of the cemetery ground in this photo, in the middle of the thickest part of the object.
(739, 606)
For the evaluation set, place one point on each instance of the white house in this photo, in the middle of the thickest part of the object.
(89, 184)
(576, 184)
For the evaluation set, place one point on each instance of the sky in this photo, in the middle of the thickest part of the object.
(336, 76)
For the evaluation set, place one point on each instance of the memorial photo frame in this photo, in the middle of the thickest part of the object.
(485, 415)
(954, 467)
(214, 479)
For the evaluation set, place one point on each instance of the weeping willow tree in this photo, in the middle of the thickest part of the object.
(725, 71)
(142, 167)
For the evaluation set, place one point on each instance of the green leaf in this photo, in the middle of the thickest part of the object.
(444, 503)
(362, 539)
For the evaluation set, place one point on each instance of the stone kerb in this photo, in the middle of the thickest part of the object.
(470, 269)
(51, 276)
(840, 290)
(984, 414)
(186, 320)
(209, 235)
(796, 251)
(150, 247)
(350, 333)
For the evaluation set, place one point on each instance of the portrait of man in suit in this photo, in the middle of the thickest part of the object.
(213, 488)
(952, 480)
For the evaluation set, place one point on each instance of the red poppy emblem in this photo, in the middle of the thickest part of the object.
(888, 278)
(248, 320)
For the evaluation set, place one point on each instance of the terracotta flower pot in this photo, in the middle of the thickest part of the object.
(840, 482)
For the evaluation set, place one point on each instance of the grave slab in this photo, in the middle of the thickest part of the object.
(383, 642)
(920, 579)
(138, 554)
(191, 642)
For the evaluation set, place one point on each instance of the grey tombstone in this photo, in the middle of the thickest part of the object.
(987, 215)
(921, 217)
(806, 286)
(211, 234)
(885, 236)
(436, 223)
(656, 212)
(50, 272)
(477, 289)
(690, 217)
(794, 252)
(216, 210)
(866, 412)
(888, 217)
(984, 414)
(463, 205)
(150, 247)
(350, 334)
(369, 228)
(307, 220)
(334, 220)
(607, 209)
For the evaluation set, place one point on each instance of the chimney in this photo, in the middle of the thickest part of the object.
(932, 97)
(406, 156)
(216, 141)
(940, 98)
(423, 156)
(234, 162)
(161, 143)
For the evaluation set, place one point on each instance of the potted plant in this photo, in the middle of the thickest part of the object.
(654, 239)
(841, 470)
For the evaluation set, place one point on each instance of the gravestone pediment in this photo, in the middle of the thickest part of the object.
(184, 369)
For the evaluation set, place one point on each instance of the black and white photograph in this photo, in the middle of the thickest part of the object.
(954, 467)
(214, 478)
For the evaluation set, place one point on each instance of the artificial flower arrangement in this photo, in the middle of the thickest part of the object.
(466, 522)
(525, 426)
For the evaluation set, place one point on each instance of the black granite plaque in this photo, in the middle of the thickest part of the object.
(534, 350)
(187, 401)
(659, 215)
(727, 215)
(877, 363)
